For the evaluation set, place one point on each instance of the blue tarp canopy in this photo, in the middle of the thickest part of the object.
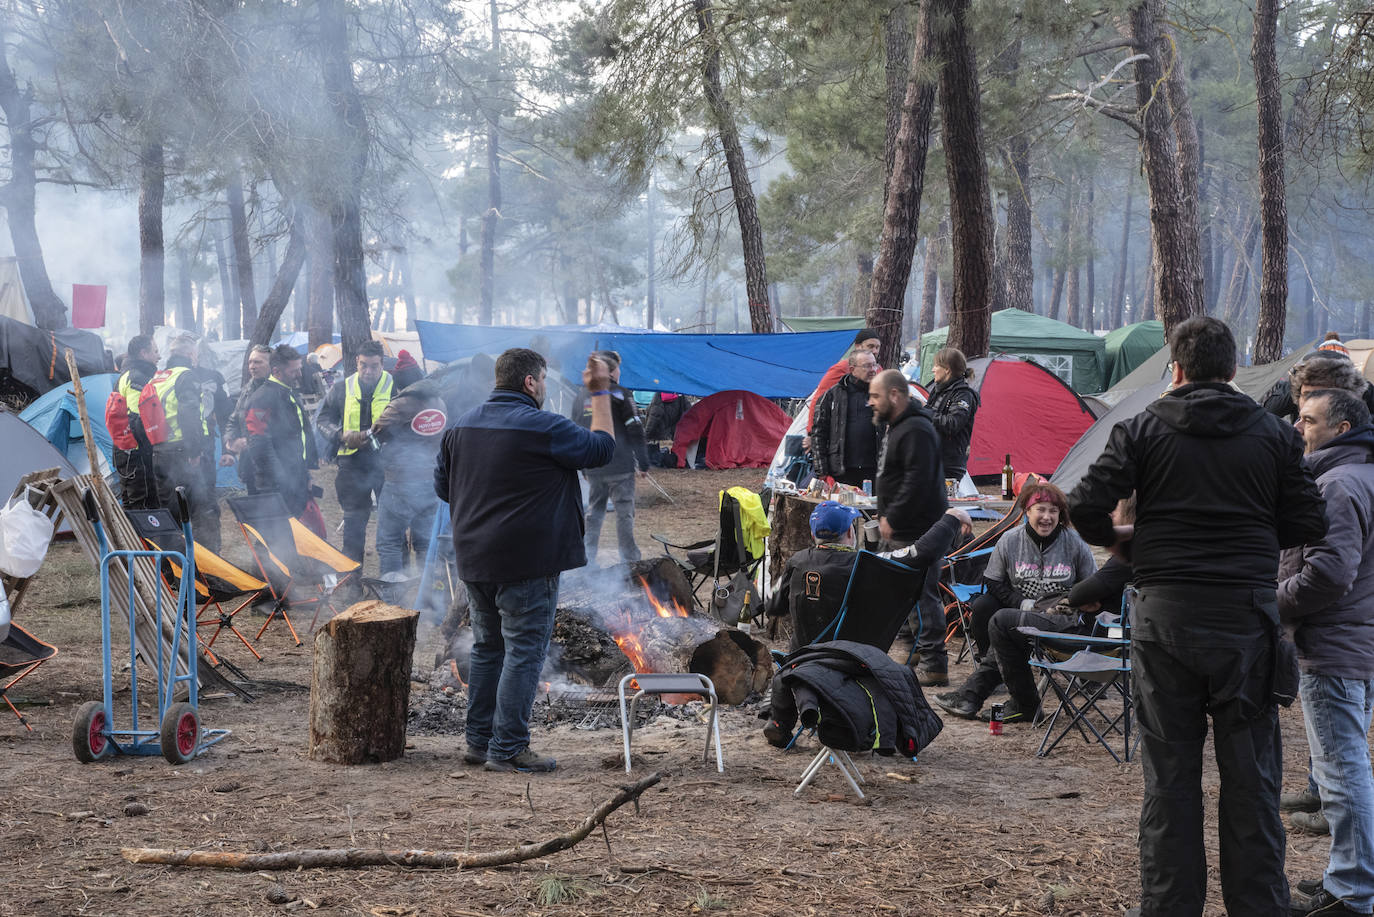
(771, 365)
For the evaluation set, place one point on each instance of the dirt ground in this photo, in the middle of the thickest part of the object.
(979, 825)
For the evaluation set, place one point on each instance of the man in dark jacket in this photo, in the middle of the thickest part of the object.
(133, 453)
(409, 431)
(1326, 596)
(508, 471)
(1220, 488)
(615, 481)
(281, 443)
(1317, 370)
(910, 487)
(843, 438)
(235, 433)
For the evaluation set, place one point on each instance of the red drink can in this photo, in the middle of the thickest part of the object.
(995, 721)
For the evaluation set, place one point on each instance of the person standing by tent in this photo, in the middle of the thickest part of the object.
(215, 409)
(844, 439)
(171, 412)
(281, 443)
(409, 431)
(865, 339)
(910, 486)
(133, 453)
(954, 404)
(1221, 488)
(616, 480)
(508, 471)
(235, 433)
(345, 420)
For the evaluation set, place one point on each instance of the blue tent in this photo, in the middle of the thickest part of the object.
(56, 416)
(771, 365)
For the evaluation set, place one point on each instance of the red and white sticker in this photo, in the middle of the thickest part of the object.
(429, 422)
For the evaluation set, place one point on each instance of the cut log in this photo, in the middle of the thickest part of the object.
(736, 663)
(360, 687)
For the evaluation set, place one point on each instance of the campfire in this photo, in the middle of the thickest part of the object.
(638, 617)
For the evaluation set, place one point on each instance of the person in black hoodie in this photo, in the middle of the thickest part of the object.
(910, 486)
(953, 404)
(1220, 487)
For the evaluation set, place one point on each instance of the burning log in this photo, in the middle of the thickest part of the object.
(737, 664)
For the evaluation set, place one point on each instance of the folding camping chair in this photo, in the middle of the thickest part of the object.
(1090, 674)
(217, 580)
(876, 603)
(20, 654)
(299, 567)
(725, 554)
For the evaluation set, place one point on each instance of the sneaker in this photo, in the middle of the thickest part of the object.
(1310, 823)
(1011, 713)
(475, 755)
(1309, 887)
(526, 762)
(957, 704)
(1305, 801)
(932, 678)
(778, 735)
(1323, 902)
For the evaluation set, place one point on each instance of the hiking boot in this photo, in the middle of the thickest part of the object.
(1309, 887)
(527, 762)
(778, 735)
(932, 678)
(475, 755)
(1310, 823)
(1304, 801)
(1323, 902)
(1012, 713)
(956, 703)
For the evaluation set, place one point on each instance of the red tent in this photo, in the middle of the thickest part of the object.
(742, 430)
(1026, 411)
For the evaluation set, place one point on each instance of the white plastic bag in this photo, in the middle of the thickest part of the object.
(24, 537)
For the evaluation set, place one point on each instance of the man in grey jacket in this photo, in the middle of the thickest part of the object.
(1326, 599)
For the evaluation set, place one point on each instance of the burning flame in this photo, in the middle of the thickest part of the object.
(634, 651)
(663, 611)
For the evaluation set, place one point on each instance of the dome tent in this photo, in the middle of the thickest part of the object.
(1131, 345)
(1027, 412)
(1077, 357)
(742, 430)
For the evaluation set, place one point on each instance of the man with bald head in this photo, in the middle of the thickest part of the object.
(910, 486)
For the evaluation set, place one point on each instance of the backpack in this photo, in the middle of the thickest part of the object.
(117, 421)
(150, 410)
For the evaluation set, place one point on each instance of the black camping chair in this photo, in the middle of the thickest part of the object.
(20, 653)
(725, 554)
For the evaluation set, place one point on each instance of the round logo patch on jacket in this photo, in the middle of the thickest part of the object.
(429, 422)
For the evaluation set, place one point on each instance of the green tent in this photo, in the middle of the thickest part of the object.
(824, 322)
(1074, 355)
(1129, 346)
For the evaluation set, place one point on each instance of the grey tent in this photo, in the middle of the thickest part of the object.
(26, 450)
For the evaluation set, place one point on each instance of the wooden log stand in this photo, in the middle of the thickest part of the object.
(360, 686)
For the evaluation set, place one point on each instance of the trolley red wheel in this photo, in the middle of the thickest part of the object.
(89, 741)
(180, 733)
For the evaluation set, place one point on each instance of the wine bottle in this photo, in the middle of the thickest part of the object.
(1008, 480)
(746, 618)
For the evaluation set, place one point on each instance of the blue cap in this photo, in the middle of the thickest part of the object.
(832, 520)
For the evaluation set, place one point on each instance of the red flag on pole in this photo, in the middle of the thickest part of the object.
(88, 305)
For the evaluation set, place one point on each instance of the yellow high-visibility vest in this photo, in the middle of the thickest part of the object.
(164, 386)
(353, 405)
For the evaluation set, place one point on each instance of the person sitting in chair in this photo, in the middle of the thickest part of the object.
(1029, 576)
(813, 582)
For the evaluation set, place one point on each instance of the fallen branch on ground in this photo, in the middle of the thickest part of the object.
(353, 857)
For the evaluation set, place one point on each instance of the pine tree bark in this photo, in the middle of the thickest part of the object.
(970, 205)
(345, 213)
(228, 293)
(319, 247)
(1273, 299)
(19, 198)
(1089, 262)
(902, 202)
(930, 281)
(746, 207)
(650, 269)
(186, 316)
(1170, 168)
(897, 51)
(1118, 304)
(492, 216)
(242, 251)
(152, 260)
(274, 304)
(1238, 293)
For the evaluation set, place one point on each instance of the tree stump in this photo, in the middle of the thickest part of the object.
(360, 686)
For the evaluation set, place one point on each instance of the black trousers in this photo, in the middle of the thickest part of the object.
(1009, 660)
(360, 476)
(174, 469)
(137, 481)
(1199, 653)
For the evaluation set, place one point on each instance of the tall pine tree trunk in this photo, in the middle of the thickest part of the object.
(186, 316)
(746, 207)
(319, 247)
(492, 216)
(274, 303)
(1089, 263)
(902, 205)
(897, 53)
(970, 206)
(152, 256)
(1273, 300)
(228, 293)
(930, 283)
(650, 269)
(242, 251)
(1118, 303)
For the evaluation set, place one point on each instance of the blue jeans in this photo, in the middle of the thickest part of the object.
(511, 627)
(404, 506)
(1337, 713)
(620, 489)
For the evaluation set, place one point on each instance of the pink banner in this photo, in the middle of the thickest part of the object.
(88, 305)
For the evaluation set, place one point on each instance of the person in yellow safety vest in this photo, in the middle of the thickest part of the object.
(182, 446)
(345, 420)
(133, 453)
(281, 442)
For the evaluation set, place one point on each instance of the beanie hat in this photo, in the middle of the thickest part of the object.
(831, 520)
(404, 360)
(866, 334)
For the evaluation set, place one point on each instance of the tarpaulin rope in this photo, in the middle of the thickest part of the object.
(52, 364)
